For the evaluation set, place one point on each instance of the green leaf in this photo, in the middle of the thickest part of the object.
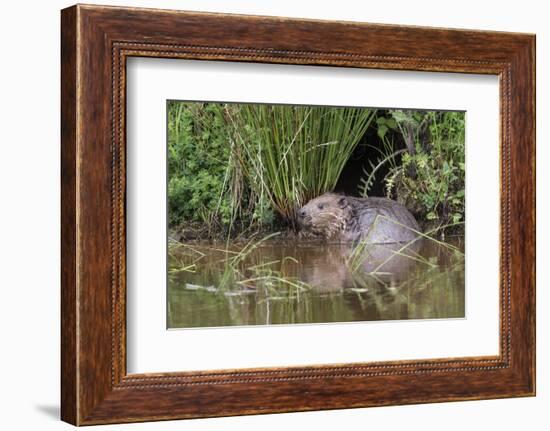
(382, 131)
(391, 123)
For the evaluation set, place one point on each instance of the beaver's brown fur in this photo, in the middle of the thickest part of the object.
(345, 218)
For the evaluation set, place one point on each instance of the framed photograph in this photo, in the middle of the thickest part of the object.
(263, 214)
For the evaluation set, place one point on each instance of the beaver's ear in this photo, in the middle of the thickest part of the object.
(343, 202)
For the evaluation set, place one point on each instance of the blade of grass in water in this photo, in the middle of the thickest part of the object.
(360, 252)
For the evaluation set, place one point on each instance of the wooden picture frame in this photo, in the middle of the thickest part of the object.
(95, 43)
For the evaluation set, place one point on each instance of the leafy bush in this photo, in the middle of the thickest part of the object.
(427, 169)
(198, 160)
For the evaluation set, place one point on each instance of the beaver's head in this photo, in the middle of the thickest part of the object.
(326, 215)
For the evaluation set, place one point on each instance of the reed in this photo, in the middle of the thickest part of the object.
(291, 154)
(231, 271)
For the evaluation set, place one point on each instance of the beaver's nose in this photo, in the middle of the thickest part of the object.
(302, 213)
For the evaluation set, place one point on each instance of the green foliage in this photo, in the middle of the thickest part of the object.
(198, 163)
(239, 167)
(429, 177)
(439, 170)
(384, 124)
(246, 165)
(387, 156)
(291, 154)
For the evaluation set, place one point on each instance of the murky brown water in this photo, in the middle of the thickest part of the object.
(282, 283)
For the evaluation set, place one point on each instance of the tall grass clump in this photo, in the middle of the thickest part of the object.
(290, 154)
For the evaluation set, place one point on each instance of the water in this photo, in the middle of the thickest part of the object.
(279, 282)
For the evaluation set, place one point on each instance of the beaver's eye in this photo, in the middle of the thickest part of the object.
(320, 206)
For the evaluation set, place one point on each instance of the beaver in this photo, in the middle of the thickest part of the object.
(343, 218)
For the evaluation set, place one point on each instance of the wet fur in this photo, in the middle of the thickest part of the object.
(347, 219)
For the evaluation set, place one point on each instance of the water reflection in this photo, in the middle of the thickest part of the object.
(296, 282)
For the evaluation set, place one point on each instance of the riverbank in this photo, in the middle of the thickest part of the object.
(200, 232)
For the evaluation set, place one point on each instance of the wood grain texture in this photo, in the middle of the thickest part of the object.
(69, 367)
(96, 41)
